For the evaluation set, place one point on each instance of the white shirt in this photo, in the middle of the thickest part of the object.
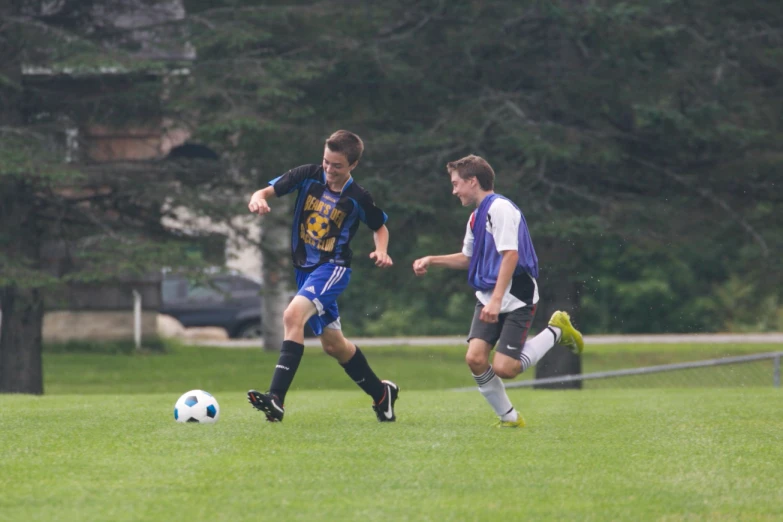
(503, 225)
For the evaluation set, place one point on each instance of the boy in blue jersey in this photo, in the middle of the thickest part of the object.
(329, 208)
(502, 267)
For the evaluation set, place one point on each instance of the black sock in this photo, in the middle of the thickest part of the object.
(287, 364)
(359, 370)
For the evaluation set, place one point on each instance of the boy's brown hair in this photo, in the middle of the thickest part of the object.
(346, 143)
(474, 167)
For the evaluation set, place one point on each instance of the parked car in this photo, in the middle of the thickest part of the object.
(230, 301)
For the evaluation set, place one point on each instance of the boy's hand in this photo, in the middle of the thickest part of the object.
(490, 312)
(420, 265)
(258, 205)
(382, 259)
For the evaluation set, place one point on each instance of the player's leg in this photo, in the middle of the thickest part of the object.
(480, 341)
(384, 393)
(510, 357)
(559, 330)
(296, 314)
(514, 333)
(328, 284)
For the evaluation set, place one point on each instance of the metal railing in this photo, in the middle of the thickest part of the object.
(775, 357)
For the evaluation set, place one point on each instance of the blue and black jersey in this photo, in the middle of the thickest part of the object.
(324, 221)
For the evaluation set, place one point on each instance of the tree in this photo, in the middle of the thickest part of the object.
(624, 124)
(102, 221)
(619, 126)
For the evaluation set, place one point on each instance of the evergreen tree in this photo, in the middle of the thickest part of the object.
(71, 221)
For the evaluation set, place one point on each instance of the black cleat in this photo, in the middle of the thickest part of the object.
(384, 410)
(267, 403)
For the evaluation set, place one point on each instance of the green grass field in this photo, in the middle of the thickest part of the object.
(102, 444)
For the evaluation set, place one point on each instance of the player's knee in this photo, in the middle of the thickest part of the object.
(332, 349)
(476, 362)
(293, 318)
(504, 373)
(506, 367)
(340, 349)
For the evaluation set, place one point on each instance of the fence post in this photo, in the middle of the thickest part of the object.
(776, 372)
(137, 319)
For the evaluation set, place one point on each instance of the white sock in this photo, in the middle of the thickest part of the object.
(537, 347)
(492, 388)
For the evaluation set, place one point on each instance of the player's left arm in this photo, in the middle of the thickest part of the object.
(490, 312)
(375, 218)
(381, 255)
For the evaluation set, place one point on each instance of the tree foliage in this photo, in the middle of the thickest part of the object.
(65, 69)
(639, 139)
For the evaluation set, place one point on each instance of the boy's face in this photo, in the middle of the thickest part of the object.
(336, 166)
(464, 189)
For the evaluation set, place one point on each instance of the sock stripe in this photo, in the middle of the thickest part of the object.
(485, 377)
(553, 333)
(525, 360)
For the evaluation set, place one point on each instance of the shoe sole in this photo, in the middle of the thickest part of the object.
(258, 402)
(518, 424)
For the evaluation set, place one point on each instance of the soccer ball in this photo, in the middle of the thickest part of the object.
(196, 406)
(317, 226)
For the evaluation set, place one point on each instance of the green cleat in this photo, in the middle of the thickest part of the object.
(519, 423)
(570, 336)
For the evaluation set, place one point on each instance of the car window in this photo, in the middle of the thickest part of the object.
(217, 288)
(173, 290)
(241, 284)
(213, 289)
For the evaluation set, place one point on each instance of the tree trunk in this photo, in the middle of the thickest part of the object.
(276, 266)
(21, 310)
(21, 326)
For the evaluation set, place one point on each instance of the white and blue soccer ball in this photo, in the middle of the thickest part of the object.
(197, 406)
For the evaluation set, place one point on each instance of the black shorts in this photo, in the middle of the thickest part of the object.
(509, 333)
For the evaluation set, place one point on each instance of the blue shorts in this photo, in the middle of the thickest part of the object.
(323, 286)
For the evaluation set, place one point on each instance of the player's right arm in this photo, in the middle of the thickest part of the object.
(458, 261)
(282, 185)
(258, 201)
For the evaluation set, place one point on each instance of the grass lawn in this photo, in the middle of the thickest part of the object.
(102, 445)
(183, 368)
